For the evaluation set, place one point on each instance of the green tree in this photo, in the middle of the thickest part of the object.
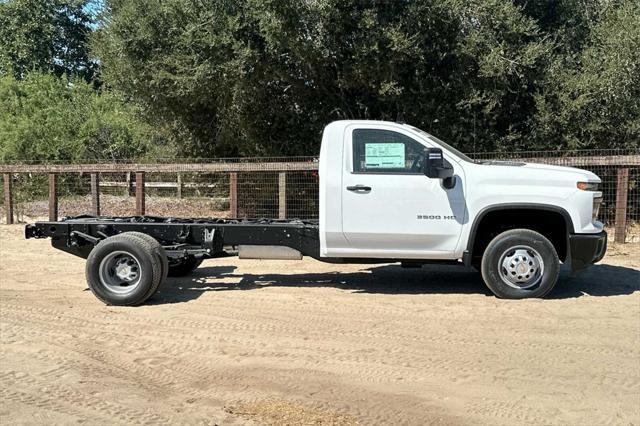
(45, 118)
(46, 36)
(264, 77)
(592, 99)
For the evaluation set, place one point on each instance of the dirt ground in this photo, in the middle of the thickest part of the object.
(274, 342)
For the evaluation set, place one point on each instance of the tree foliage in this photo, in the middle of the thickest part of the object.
(51, 107)
(592, 98)
(263, 77)
(46, 118)
(47, 36)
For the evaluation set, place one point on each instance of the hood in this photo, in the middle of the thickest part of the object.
(514, 173)
(584, 174)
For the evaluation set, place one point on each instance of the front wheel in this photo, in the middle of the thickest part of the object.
(519, 264)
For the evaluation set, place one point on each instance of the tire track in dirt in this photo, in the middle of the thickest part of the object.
(288, 383)
(364, 368)
(282, 379)
(115, 364)
(509, 412)
(250, 326)
(56, 397)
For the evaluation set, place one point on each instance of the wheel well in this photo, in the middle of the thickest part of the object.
(552, 224)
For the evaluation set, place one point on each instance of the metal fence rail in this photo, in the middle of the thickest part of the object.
(255, 187)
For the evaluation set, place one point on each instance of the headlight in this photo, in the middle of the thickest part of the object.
(596, 208)
(589, 186)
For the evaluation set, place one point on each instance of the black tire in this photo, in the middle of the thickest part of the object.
(514, 248)
(184, 267)
(123, 245)
(157, 250)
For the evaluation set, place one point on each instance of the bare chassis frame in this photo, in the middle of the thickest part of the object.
(180, 237)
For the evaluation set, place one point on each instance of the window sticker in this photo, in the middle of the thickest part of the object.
(384, 155)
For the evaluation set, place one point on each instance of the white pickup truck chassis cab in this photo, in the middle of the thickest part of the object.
(389, 192)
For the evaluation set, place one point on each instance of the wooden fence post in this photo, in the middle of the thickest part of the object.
(622, 188)
(140, 195)
(233, 195)
(95, 194)
(8, 197)
(128, 191)
(53, 198)
(179, 185)
(282, 195)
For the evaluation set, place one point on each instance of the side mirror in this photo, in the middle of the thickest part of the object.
(436, 167)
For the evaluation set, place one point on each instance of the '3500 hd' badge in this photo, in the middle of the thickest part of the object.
(436, 217)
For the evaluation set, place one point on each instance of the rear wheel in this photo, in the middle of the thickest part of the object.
(123, 270)
(184, 266)
(158, 251)
(519, 264)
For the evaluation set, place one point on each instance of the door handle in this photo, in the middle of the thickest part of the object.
(359, 188)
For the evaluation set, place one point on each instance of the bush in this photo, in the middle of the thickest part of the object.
(44, 118)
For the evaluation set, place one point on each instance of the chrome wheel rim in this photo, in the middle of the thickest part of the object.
(521, 267)
(120, 272)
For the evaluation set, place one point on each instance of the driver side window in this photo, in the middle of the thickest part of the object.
(386, 151)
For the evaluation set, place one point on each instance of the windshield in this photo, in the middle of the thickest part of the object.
(445, 145)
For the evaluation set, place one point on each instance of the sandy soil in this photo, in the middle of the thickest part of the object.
(244, 342)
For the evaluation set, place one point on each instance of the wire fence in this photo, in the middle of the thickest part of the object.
(249, 188)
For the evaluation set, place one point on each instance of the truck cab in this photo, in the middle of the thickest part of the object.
(390, 190)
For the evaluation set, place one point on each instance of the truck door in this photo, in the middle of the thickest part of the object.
(390, 209)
